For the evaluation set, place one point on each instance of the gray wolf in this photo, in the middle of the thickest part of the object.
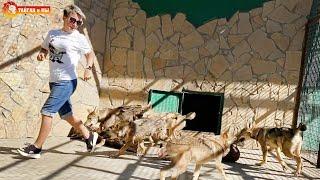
(287, 140)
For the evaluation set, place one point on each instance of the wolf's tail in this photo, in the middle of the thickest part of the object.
(302, 127)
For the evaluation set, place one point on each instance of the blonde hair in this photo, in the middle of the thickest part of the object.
(73, 8)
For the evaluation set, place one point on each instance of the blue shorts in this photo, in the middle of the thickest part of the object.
(59, 98)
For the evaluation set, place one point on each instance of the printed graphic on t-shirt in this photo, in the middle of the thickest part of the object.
(55, 54)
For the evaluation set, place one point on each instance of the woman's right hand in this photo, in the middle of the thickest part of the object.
(41, 56)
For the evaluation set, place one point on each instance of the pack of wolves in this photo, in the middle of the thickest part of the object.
(132, 127)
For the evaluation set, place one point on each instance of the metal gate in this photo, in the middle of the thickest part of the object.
(309, 109)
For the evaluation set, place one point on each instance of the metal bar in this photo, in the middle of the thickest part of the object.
(314, 20)
(318, 161)
(301, 75)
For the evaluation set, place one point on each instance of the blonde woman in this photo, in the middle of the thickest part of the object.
(65, 47)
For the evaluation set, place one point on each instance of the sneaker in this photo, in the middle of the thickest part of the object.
(92, 141)
(30, 151)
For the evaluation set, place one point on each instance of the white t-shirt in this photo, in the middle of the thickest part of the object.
(65, 50)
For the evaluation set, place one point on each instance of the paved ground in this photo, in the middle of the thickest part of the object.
(65, 159)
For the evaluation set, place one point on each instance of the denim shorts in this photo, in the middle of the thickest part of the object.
(59, 98)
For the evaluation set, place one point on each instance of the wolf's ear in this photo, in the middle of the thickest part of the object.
(251, 124)
(96, 110)
(248, 125)
(147, 107)
(254, 123)
(191, 115)
(225, 135)
(228, 130)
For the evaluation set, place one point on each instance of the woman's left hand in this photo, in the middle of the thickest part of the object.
(87, 74)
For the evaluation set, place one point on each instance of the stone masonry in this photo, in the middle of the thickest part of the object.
(253, 58)
(24, 81)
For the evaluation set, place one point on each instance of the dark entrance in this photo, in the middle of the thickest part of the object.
(208, 108)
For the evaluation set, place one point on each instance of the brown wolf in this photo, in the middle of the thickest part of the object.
(100, 121)
(135, 132)
(283, 139)
(158, 126)
(199, 149)
(175, 122)
(127, 112)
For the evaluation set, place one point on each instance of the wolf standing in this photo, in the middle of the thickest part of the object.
(65, 47)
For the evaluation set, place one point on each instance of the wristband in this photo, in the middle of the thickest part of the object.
(89, 67)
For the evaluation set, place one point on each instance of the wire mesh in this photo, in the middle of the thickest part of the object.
(309, 109)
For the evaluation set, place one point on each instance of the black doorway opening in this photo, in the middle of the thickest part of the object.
(208, 108)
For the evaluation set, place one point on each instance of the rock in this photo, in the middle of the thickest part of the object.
(192, 40)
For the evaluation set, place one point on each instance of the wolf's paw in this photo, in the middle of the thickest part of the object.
(226, 178)
(140, 154)
(297, 173)
(285, 168)
(113, 155)
(260, 163)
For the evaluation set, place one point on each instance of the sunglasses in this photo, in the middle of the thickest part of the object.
(73, 20)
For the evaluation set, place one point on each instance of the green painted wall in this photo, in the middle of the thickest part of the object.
(198, 11)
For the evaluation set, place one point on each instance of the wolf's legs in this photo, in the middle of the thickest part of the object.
(283, 164)
(196, 171)
(165, 170)
(299, 165)
(298, 159)
(124, 148)
(220, 168)
(163, 173)
(264, 155)
(181, 165)
(151, 141)
(141, 150)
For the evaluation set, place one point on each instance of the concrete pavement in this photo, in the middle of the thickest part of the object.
(66, 159)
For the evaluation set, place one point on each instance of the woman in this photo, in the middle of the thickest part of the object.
(65, 47)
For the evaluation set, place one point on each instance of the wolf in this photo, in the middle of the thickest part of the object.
(175, 122)
(154, 127)
(135, 132)
(111, 116)
(287, 140)
(182, 151)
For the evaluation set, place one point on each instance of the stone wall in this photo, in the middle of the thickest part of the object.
(24, 81)
(253, 58)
